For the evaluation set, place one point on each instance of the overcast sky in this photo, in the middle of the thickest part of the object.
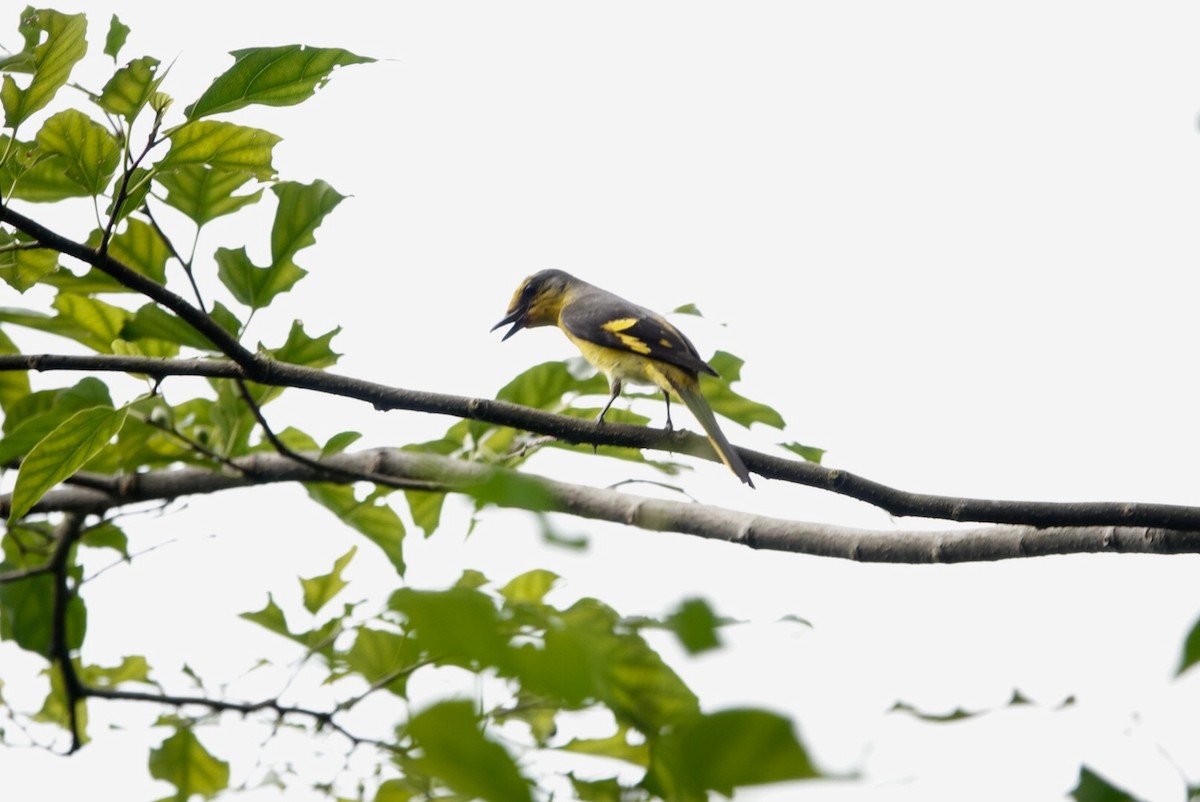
(955, 244)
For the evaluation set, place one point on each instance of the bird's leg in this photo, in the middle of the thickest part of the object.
(614, 385)
(667, 397)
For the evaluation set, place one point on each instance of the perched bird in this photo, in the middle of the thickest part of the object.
(626, 342)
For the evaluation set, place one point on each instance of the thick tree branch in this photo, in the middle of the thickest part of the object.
(573, 430)
(67, 534)
(223, 340)
(702, 520)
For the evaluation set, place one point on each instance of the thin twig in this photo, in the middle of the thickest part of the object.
(186, 264)
(324, 719)
(123, 192)
(338, 475)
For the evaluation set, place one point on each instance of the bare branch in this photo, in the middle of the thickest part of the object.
(323, 719)
(702, 520)
(574, 430)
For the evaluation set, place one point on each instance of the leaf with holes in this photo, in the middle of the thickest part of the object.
(50, 62)
(131, 87)
(272, 76)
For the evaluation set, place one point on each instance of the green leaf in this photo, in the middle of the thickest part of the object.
(725, 401)
(184, 762)
(810, 453)
(1191, 650)
(1094, 788)
(616, 746)
(117, 34)
(271, 618)
(26, 611)
(372, 518)
(204, 193)
(59, 324)
(138, 246)
(472, 579)
(63, 452)
(608, 790)
(543, 386)
(147, 346)
(319, 590)
(301, 209)
(379, 655)
(130, 88)
(100, 323)
(425, 508)
(22, 267)
(85, 150)
(513, 489)
(130, 669)
(32, 174)
(226, 319)
(250, 284)
(588, 654)
(55, 709)
(530, 587)
(272, 76)
(153, 322)
(396, 791)
(725, 750)
(52, 61)
(23, 61)
(458, 625)
(454, 750)
(539, 716)
(223, 146)
(107, 535)
(39, 414)
(941, 717)
(300, 349)
(339, 443)
(14, 384)
(695, 625)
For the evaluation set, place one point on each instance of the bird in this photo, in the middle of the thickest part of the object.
(626, 342)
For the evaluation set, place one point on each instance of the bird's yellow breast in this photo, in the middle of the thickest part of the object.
(625, 365)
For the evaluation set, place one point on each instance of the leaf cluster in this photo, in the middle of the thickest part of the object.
(557, 663)
(157, 173)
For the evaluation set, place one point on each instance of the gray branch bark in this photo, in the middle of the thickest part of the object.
(702, 520)
(901, 503)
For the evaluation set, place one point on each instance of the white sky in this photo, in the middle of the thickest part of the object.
(955, 244)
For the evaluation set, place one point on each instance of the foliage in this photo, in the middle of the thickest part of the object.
(140, 162)
(148, 166)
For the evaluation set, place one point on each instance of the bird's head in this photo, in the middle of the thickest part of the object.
(537, 301)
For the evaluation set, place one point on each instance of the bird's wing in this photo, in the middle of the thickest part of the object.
(605, 319)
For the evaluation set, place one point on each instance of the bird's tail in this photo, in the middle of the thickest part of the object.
(689, 393)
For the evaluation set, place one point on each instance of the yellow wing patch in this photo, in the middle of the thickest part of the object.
(631, 342)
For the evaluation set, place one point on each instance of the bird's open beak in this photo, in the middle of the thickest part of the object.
(516, 317)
